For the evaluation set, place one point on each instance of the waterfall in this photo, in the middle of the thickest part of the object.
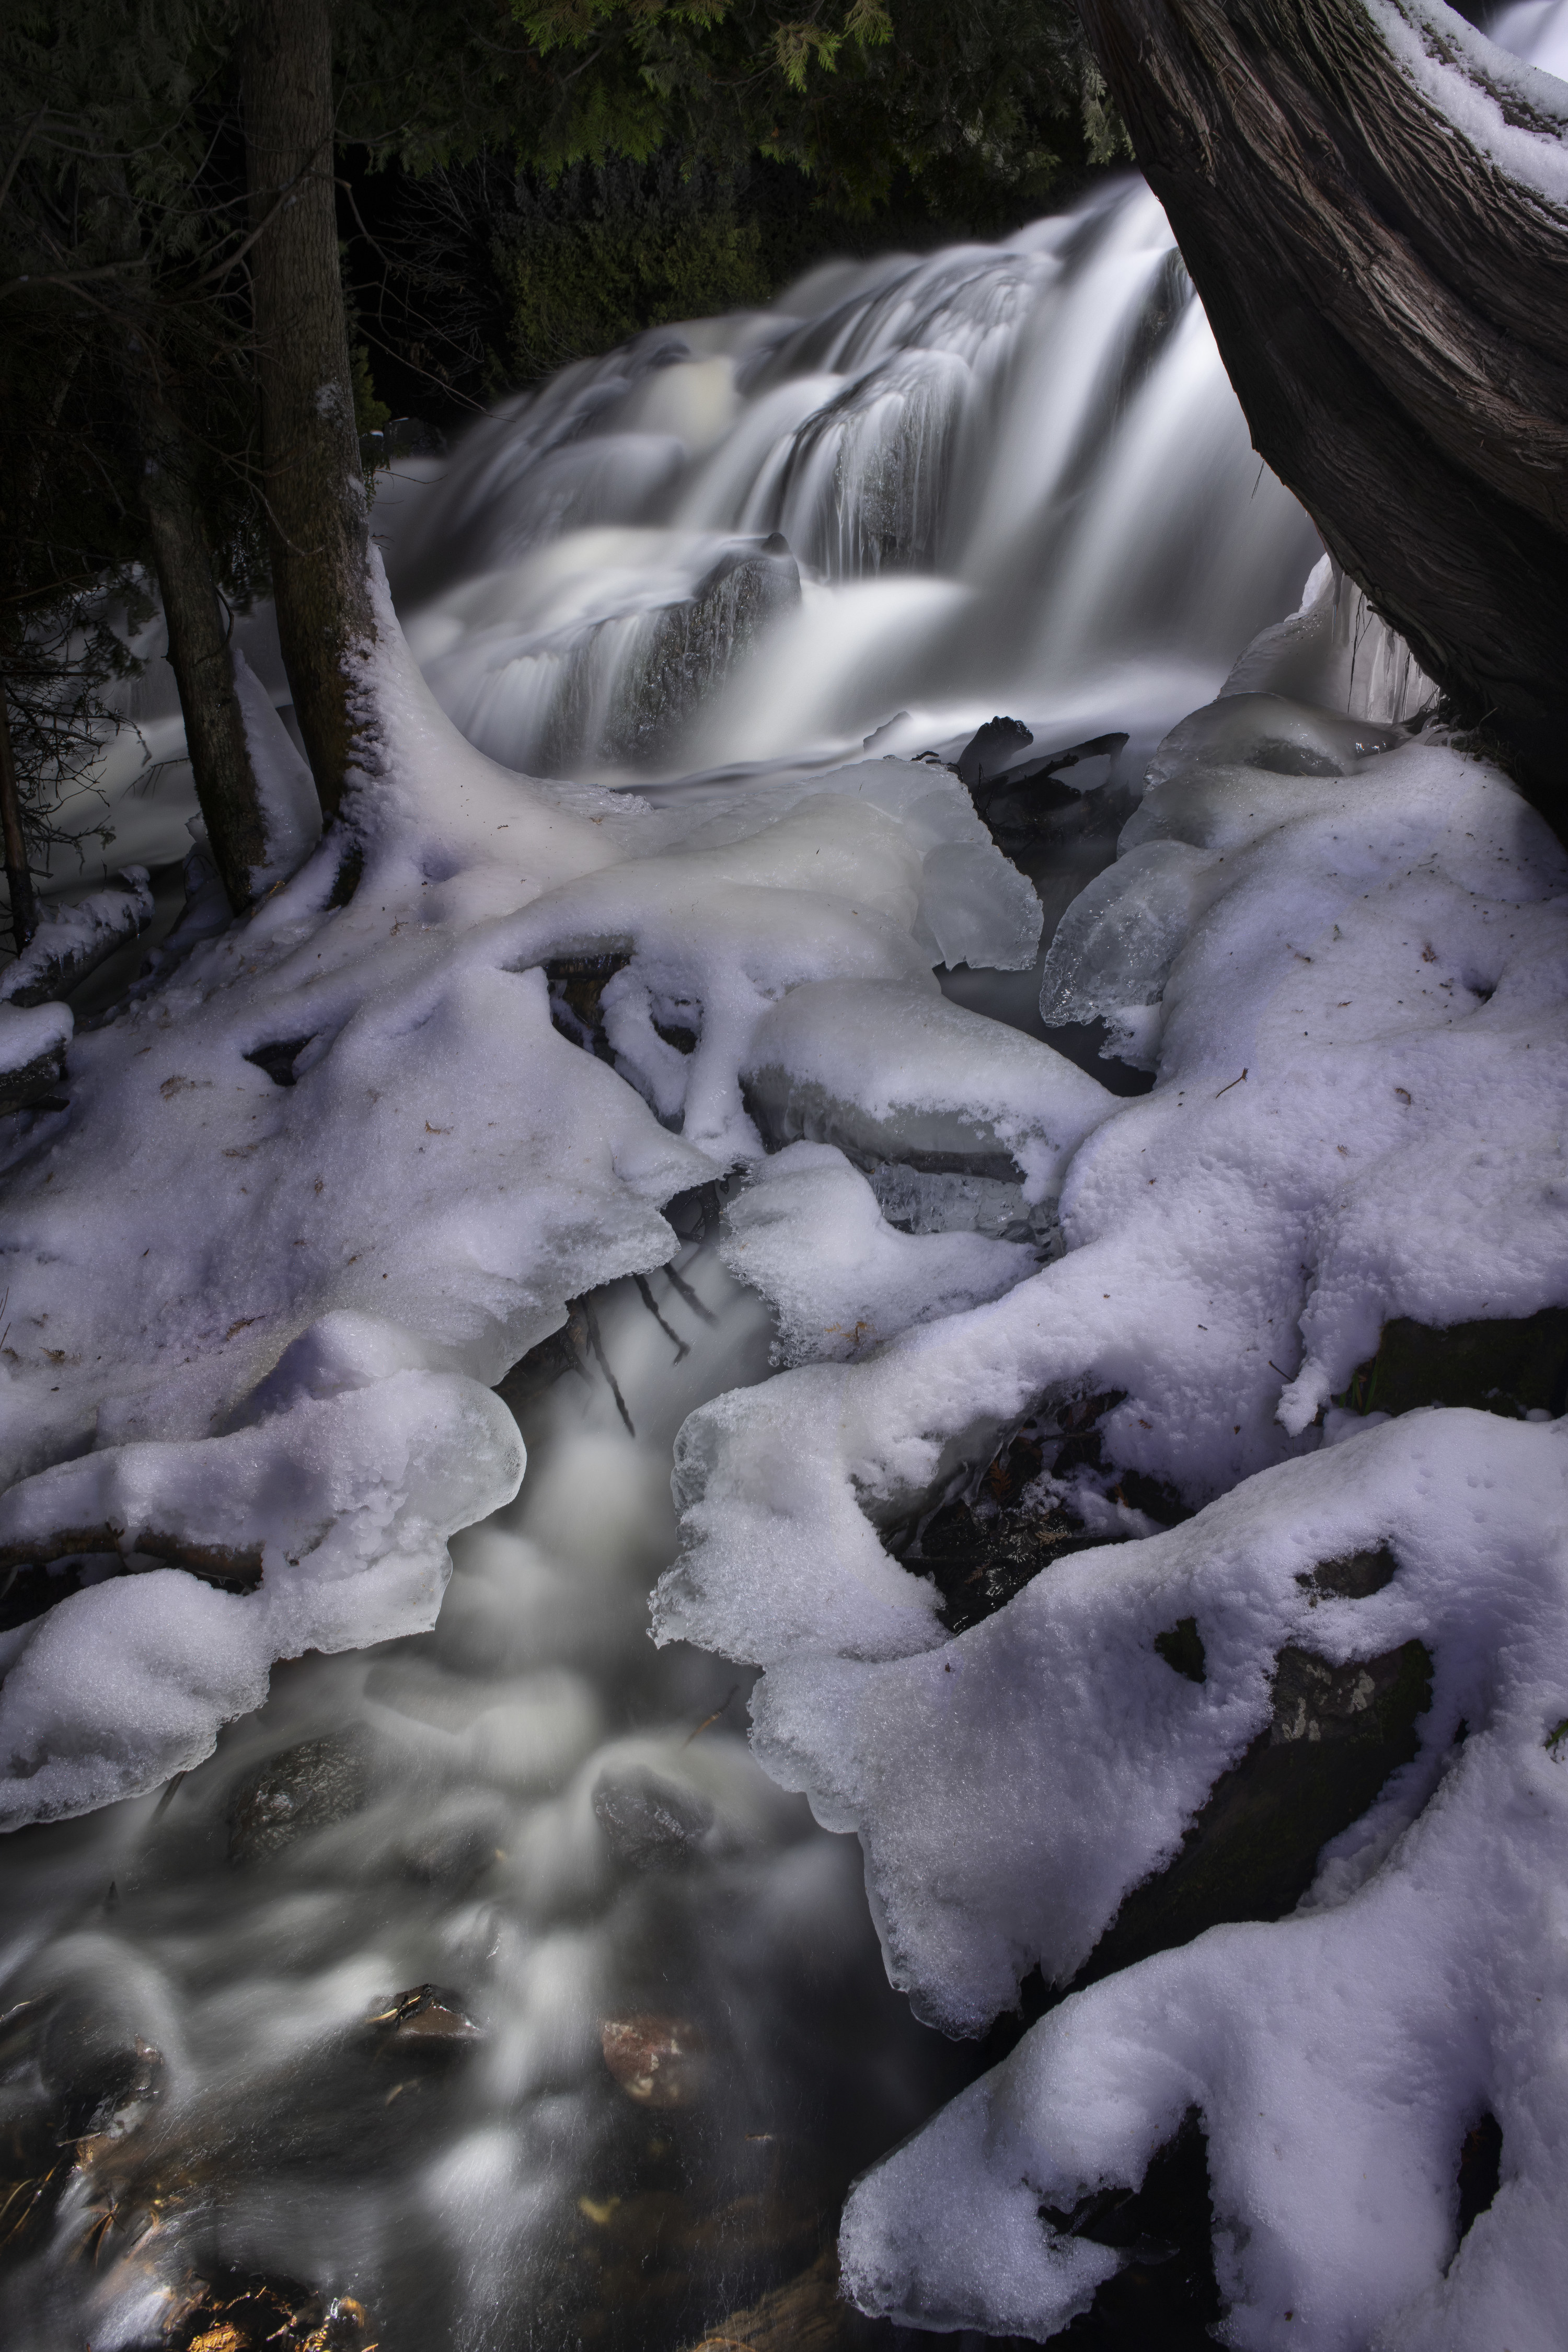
(1001, 476)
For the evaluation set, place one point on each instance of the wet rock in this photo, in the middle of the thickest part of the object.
(305, 1787)
(661, 2060)
(979, 1562)
(1513, 1366)
(76, 2081)
(1182, 1647)
(564, 1351)
(982, 1549)
(1336, 1734)
(991, 750)
(96, 2072)
(650, 1822)
(1354, 1576)
(1028, 808)
(688, 650)
(26, 1590)
(426, 2020)
(233, 2313)
(809, 2313)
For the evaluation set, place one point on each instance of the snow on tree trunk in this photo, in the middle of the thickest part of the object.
(1373, 202)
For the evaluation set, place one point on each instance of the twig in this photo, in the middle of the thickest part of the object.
(710, 1718)
(603, 1360)
(683, 1289)
(1234, 1082)
(682, 1347)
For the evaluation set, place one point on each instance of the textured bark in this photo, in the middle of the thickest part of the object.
(319, 523)
(1387, 302)
(18, 875)
(198, 637)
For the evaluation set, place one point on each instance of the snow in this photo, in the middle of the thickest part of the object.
(1338, 2056)
(1514, 115)
(393, 1171)
(1343, 947)
(809, 1236)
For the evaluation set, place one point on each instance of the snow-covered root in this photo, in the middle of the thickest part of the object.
(1339, 2057)
(72, 939)
(344, 1146)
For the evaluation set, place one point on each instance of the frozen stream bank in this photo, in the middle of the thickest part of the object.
(1066, 1458)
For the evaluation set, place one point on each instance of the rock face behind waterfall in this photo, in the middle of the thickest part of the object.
(689, 649)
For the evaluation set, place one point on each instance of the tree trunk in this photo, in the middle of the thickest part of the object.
(198, 638)
(19, 874)
(1386, 298)
(319, 522)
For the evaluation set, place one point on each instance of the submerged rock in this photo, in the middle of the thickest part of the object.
(306, 1787)
(426, 2020)
(648, 1823)
(661, 2060)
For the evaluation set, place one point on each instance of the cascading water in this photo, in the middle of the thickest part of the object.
(605, 2022)
(1007, 476)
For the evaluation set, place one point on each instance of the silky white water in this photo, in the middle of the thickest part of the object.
(1008, 476)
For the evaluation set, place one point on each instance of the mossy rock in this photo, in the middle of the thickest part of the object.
(1509, 1365)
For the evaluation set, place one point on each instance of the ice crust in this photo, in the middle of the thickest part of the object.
(331, 1172)
(1343, 948)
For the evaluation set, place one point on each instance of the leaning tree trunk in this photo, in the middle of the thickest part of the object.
(319, 529)
(1387, 299)
(198, 637)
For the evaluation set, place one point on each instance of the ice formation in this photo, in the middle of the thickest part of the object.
(394, 1171)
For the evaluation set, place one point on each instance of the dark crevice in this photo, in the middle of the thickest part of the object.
(346, 881)
(1501, 1364)
(1480, 2170)
(278, 1059)
(1165, 2295)
(576, 984)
